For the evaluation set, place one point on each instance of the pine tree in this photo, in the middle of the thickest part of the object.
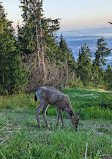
(37, 32)
(12, 76)
(30, 32)
(84, 65)
(108, 77)
(101, 52)
(100, 60)
(64, 55)
(64, 51)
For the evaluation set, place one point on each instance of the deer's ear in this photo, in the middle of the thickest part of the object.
(73, 116)
(78, 113)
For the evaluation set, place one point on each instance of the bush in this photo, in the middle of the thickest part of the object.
(75, 84)
(106, 102)
(95, 113)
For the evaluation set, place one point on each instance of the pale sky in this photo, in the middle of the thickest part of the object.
(74, 14)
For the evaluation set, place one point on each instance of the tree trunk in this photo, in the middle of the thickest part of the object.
(66, 70)
(38, 48)
(37, 39)
(41, 42)
(73, 75)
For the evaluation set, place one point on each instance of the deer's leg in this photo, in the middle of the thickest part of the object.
(44, 116)
(59, 115)
(57, 123)
(40, 107)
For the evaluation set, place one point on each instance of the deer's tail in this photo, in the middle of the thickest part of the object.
(35, 98)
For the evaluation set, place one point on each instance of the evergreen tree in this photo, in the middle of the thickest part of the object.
(84, 65)
(12, 76)
(64, 51)
(100, 54)
(37, 33)
(64, 55)
(108, 77)
(29, 33)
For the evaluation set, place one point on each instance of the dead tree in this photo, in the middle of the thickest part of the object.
(37, 38)
(41, 40)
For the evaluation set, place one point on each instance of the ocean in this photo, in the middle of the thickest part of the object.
(75, 39)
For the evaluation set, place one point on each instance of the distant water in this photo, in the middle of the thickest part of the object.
(75, 39)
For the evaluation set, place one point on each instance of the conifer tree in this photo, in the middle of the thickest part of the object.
(12, 76)
(64, 54)
(30, 32)
(100, 60)
(101, 52)
(84, 65)
(108, 77)
(37, 31)
(64, 50)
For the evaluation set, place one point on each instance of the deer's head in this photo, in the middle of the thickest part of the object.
(75, 120)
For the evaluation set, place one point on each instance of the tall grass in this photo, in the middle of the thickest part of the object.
(17, 101)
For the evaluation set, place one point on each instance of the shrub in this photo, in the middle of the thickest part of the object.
(75, 84)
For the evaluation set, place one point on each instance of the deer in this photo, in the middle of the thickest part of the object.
(51, 96)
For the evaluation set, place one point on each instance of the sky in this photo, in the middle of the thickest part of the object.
(73, 14)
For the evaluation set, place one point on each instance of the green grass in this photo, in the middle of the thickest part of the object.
(93, 104)
(20, 138)
(81, 98)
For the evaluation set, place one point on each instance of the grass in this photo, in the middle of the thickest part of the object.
(93, 104)
(20, 138)
(86, 98)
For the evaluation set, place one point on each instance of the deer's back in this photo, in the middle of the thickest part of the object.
(49, 95)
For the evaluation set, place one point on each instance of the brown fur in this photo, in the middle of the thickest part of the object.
(50, 95)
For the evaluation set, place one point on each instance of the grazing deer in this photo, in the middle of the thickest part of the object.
(49, 95)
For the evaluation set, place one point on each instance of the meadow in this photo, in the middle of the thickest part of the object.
(20, 138)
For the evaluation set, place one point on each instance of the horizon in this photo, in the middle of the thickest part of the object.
(105, 32)
(81, 15)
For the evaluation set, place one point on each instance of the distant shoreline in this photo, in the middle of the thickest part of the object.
(75, 39)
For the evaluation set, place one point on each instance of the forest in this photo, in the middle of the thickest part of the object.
(33, 56)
